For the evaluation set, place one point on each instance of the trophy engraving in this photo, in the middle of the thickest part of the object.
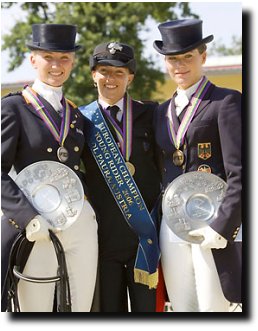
(182, 225)
(191, 201)
(54, 190)
(72, 195)
(199, 207)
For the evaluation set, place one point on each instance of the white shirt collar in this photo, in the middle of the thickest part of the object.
(105, 105)
(51, 93)
(190, 91)
(119, 104)
(183, 97)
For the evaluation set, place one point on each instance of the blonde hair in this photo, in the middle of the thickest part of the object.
(202, 48)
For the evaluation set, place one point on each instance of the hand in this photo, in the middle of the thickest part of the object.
(212, 239)
(37, 229)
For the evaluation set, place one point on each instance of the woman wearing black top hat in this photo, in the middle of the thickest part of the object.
(119, 154)
(28, 136)
(199, 136)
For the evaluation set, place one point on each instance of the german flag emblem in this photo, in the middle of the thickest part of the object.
(204, 151)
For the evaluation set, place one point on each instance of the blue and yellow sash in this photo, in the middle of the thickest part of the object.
(126, 194)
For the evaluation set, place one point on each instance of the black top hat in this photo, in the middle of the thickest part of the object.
(114, 54)
(53, 37)
(180, 36)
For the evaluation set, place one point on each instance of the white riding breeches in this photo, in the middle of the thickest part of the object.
(190, 275)
(80, 243)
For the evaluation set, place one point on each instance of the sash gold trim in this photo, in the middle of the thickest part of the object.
(145, 278)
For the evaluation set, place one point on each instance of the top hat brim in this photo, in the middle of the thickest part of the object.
(33, 46)
(169, 50)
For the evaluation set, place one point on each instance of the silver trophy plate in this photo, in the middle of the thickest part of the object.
(191, 202)
(54, 190)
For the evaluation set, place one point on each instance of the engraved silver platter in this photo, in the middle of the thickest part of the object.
(191, 201)
(54, 190)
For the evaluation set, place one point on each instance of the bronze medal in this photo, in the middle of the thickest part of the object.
(178, 158)
(130, 167)
(62, 154)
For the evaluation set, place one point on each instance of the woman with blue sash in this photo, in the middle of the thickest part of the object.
(123, 182)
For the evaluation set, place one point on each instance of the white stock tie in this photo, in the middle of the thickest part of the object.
(181, 101)
(52, 94)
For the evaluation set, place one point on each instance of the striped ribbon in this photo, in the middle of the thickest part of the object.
(177, 138)
(59, 135)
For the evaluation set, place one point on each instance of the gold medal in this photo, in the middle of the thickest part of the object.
(62, 154)
(178, 158)
(130, 167)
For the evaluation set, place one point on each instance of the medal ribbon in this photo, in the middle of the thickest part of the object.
(59, 135)
(124, 136)
(125, 192)
(177, 138)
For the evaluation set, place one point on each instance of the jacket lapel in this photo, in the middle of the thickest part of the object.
(172, 108)
(169, 106)
(49, 108)
(137, 110)
(205, 101)
(53, 113)
(203, 104)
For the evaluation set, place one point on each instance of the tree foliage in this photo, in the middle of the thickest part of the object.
(97, 22)
(235, 48)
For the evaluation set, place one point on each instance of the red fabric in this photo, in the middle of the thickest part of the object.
(161, 293)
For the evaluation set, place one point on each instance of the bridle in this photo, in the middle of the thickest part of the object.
(14, 274)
